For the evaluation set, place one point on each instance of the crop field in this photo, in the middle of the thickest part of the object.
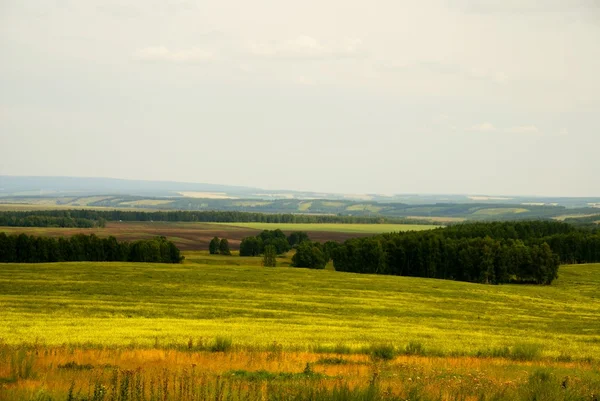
(499, 211)
(223, 327)
(333, 227)
(116, 304)
(196, 236)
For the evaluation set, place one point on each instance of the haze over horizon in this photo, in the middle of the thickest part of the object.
(464, 97)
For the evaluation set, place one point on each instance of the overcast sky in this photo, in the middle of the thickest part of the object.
(380, 96)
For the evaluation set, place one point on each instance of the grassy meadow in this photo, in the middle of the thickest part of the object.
(122, 304)
(225, 328)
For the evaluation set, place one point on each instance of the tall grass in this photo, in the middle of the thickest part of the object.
(192, 304)
(21, 365)
(188, 385)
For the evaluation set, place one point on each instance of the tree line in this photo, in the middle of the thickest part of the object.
(57, 218)
(24, 248)
(493, 253)
(92, 218)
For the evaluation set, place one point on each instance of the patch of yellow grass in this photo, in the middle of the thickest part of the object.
(148, 202)
(304, 206)
(498, 211)
(206, 195)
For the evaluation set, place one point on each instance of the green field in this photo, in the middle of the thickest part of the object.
(150, 304)
(340, 228)
(499, 211)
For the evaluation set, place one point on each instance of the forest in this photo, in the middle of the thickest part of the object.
(54, 218)
(97, 218)
(24, 248)
(494, 253)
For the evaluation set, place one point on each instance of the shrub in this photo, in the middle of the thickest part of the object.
(501, 352)
(414, 348)
(383, 352)
(222, 344)
(525, 352)
(21, 365)
(332, 361)
(270, 256)
(75, 366)
(341, 348)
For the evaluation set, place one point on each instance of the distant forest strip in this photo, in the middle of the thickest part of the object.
(45, 219)
(89, 248)
(98, 218)
(494, 253)
(428, 210)
(585, 220)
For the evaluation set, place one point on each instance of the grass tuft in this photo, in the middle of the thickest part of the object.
(414, 348)
(526, 352)
(222, 344)
(383, 352)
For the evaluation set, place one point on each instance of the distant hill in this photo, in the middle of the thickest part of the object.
(77, 192)
(80, 186)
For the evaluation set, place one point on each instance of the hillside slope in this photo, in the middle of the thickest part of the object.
(121, 303)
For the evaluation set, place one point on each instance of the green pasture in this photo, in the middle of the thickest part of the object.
(334, 227)
(117, 304)
(499, 211)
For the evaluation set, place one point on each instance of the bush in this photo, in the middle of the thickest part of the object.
(525, 352)
(383, 352)
(270, 256)
(501, 352)
(332, 361)
(222, 344)
(21, 365)
(414, 348)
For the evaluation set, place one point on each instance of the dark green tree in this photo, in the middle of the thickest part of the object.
(250, 246)
(309, 254)
(213, 246)
(297, 237)
(270, 256)
(224, 247)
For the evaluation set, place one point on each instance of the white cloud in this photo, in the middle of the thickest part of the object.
(161, 53)
(448, 69)
(524, 129)
(524, 6)
(483, 127)
(303, 80)
(519, 129)
(307, 47)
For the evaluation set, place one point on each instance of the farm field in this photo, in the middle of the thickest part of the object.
(196, 236)
(118, 304)
(339, 228)
(219, 327)
(223, 327)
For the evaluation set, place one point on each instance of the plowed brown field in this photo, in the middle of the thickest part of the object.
(187, 236)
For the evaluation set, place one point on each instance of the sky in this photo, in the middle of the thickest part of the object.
(497, 97)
